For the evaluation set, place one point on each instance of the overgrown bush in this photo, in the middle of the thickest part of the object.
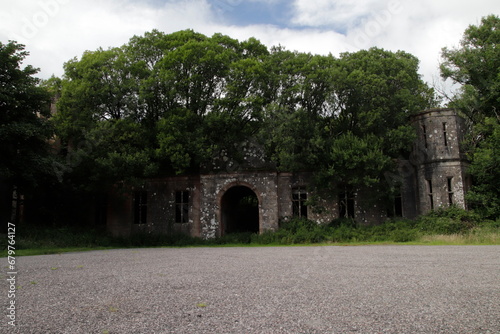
(400, 230)
(234, 238)
(450, 220)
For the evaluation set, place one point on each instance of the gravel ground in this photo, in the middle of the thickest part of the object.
(366, 289)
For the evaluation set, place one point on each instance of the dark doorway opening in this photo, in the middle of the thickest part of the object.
(240, 210)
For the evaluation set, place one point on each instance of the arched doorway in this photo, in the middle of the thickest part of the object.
(240, 210)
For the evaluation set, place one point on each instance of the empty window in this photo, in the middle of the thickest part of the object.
(430, 194)
(397, 207)
(140, 207)
(101, 212)
(450, 191)
(445, 135)
(424, 131)
(181, 207)
(299, 199)
(346, 205)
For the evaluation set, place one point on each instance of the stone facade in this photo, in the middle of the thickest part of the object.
(441, 168)
(252, 196)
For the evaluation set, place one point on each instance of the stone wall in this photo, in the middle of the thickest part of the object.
(441, 168)
(214, 186)
(160, 208)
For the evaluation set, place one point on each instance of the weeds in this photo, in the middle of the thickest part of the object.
(449, 226)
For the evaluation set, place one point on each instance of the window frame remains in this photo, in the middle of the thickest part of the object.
(182, 206)
(430, 193)
(449, 184)
(347, 204)
(299, 203)
(140, 207)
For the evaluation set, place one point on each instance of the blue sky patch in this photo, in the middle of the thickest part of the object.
(244, 13)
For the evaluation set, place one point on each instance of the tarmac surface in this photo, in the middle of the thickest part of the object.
(328, 289)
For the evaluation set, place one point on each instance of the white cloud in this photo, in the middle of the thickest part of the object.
(55, 31)
(340, 13)
(421, 28)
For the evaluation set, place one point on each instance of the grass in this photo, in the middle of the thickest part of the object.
(452, 226)
(479, 236)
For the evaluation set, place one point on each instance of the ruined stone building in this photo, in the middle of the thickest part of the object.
(253, 196)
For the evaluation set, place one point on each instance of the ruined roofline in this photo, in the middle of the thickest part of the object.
(449, 111)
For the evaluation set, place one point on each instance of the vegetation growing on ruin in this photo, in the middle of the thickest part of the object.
(165, 104)
(452, 226)
(475, 65)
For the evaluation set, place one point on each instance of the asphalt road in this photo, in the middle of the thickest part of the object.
(364, 289)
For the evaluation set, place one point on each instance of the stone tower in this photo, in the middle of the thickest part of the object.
(439, 160)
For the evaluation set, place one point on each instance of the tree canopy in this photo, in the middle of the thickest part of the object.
(476, 66)
(167, 103)
(24, 129)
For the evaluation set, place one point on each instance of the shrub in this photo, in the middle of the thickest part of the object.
(295, 224)
(450, 220)
(347, 222)
(403, 235)
(236, 238)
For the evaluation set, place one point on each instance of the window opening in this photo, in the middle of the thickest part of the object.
(299, 199)
(182, 207)
(445, 135)
(424, 130)
(101, 213)
(450, 191)
(140, 207)
(346, 205)
(397, 206)
(430, 194)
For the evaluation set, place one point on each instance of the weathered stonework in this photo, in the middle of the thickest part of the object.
(213, 203)
(441, 165)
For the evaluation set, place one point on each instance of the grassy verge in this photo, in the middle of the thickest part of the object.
(443, 227)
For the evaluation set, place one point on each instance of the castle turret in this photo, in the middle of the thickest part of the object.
(439, 159)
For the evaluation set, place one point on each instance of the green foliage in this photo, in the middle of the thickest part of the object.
(451, 220)
(183, 97)
(181, 140)
(375, 91)
(356, 160)
(459, 225)
(24, 129)
(484, 196)
(186, 97)
(476, 65)
(394, 230)
(39, 237)
(233, 239)
(444, 221)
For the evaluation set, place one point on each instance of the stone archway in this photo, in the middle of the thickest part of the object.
(239, 210)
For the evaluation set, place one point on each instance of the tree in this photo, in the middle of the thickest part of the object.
(345, 119)
(476, 66)
(485, 194)
(171, 103)
(298, 86)
(185, 96)
(374, 93)
(25, 159)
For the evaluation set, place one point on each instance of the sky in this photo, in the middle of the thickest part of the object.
(55, 31)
